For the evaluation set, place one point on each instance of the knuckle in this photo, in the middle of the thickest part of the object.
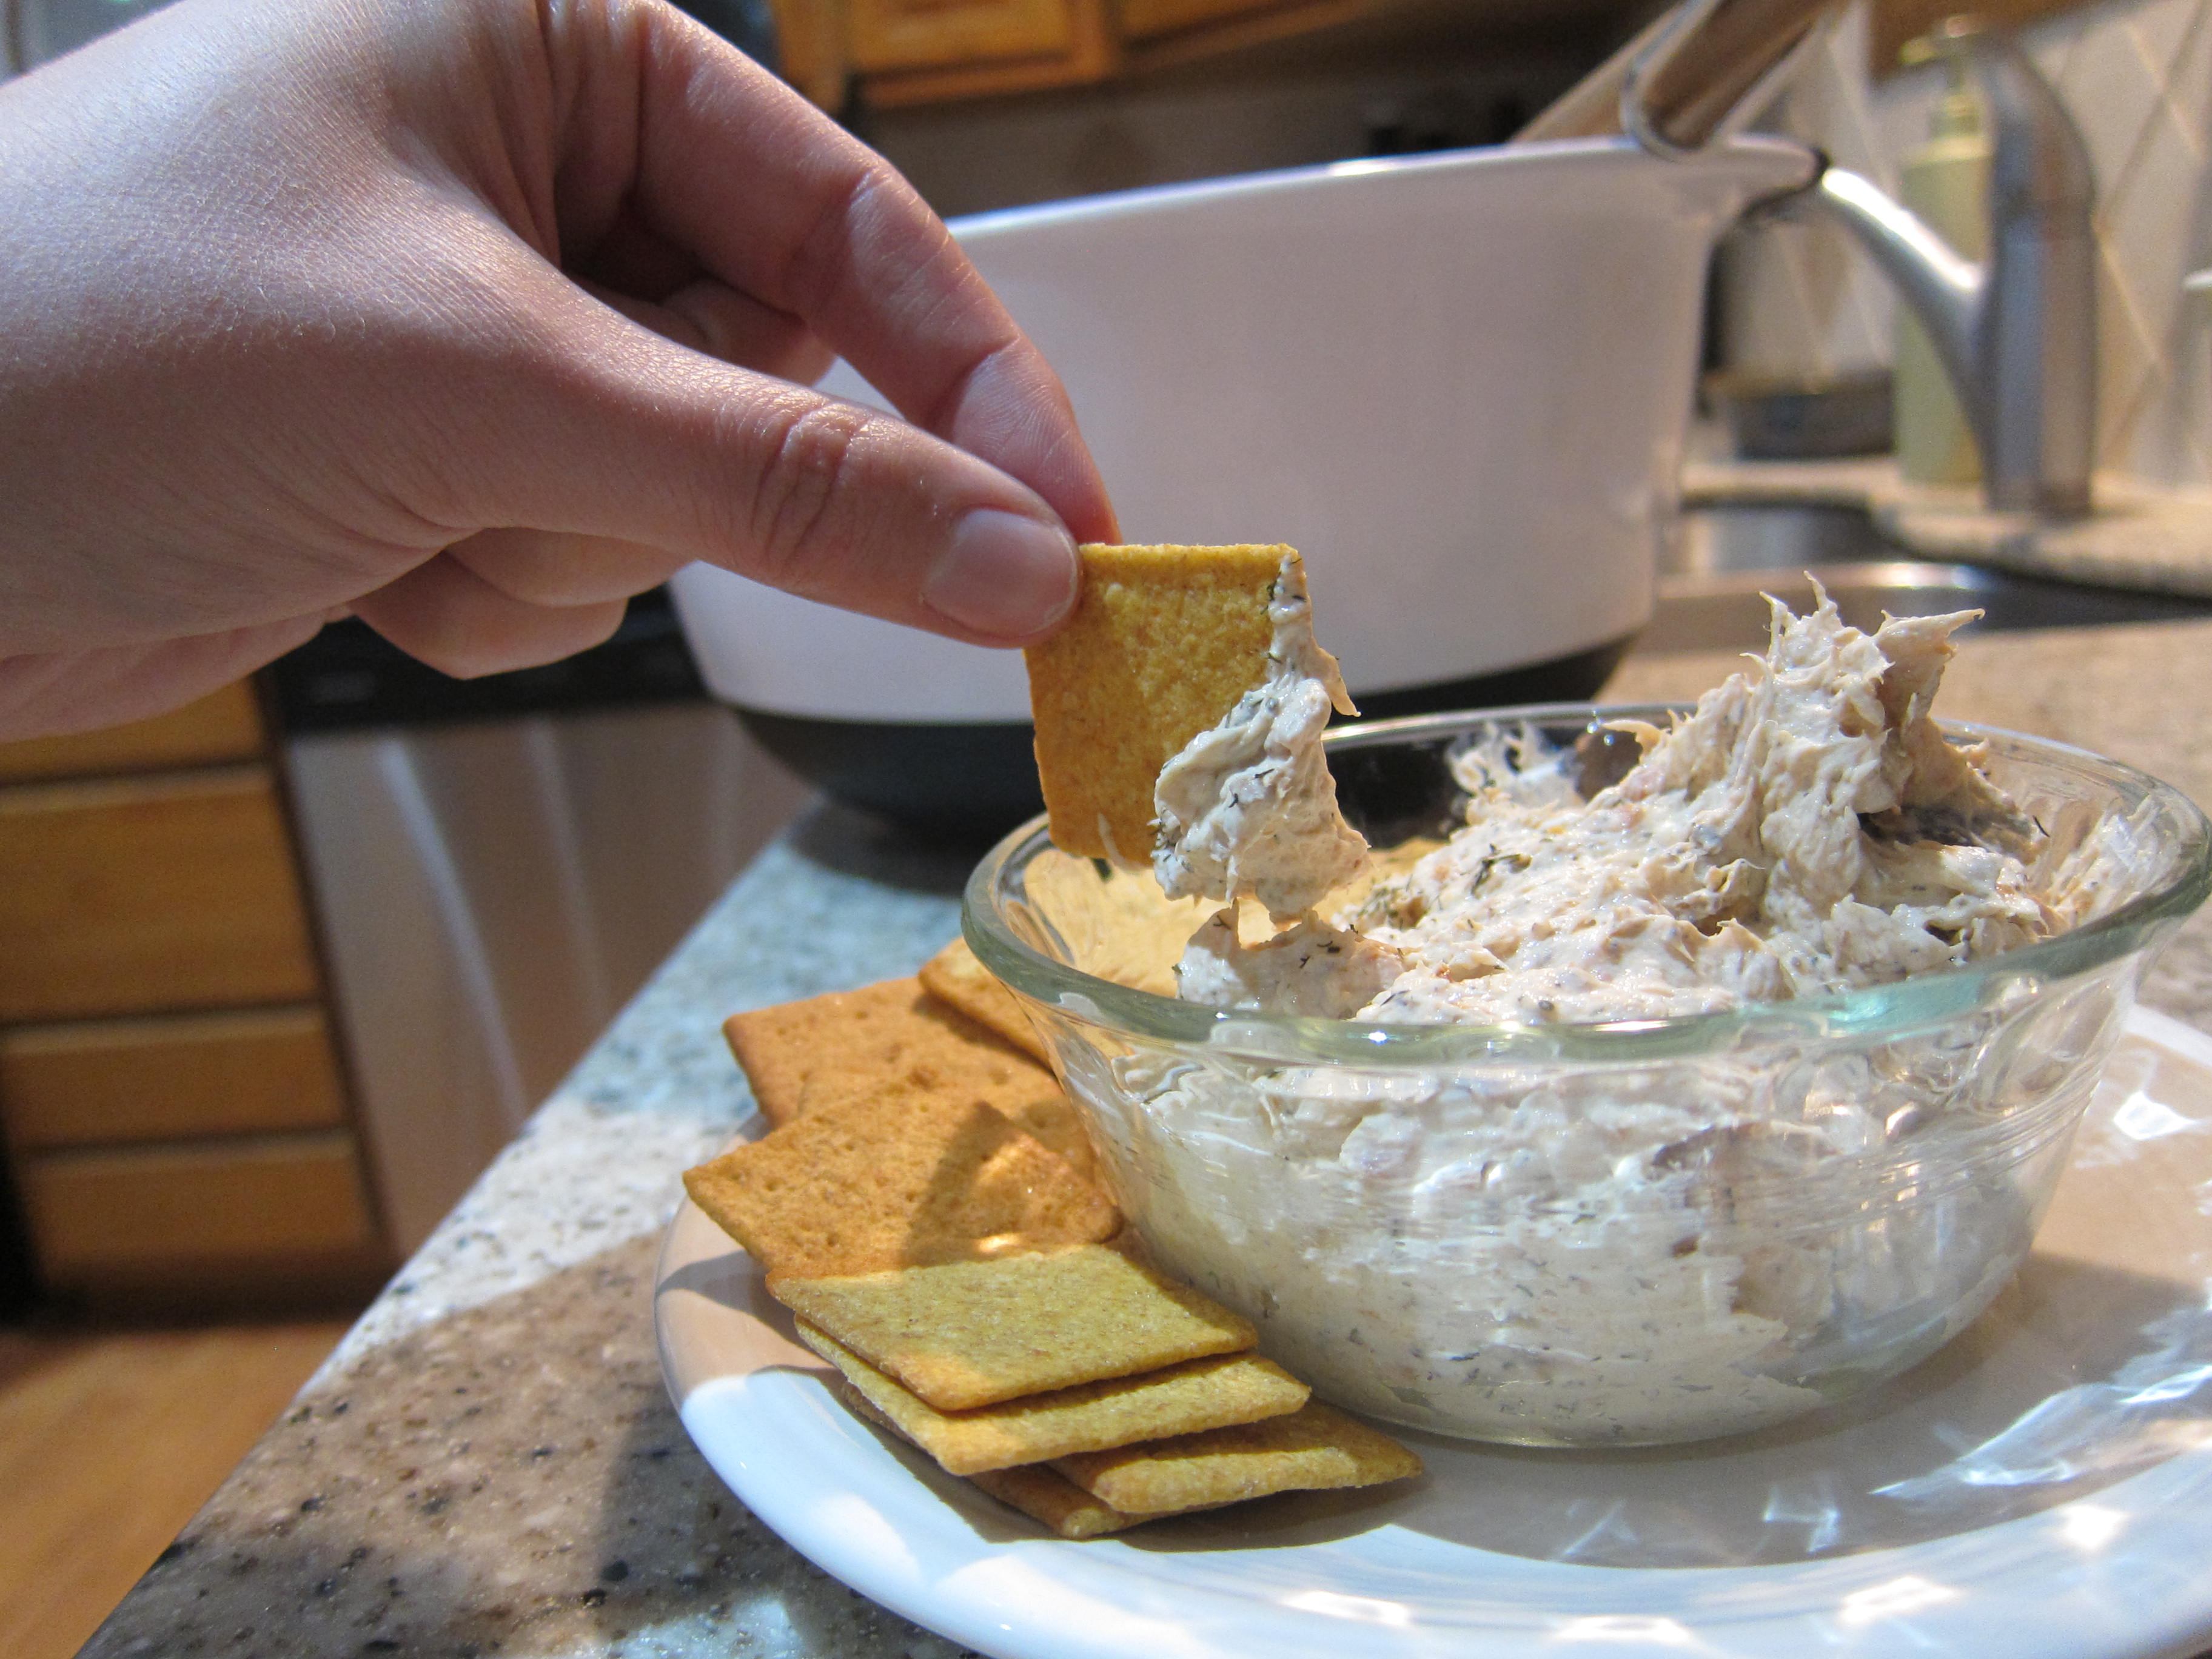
(809, 465)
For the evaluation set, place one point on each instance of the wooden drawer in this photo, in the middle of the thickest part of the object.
(142, 1214)
(901, 35)
(1087, 51)
(225, 725)
(146, 895)
(159, 1080)
(1142, 20)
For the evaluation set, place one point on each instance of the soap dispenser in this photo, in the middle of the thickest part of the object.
(1946, 181)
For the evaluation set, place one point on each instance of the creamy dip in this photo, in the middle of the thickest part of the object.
(1807, 829)
(1248, 806)
(1598, 1252)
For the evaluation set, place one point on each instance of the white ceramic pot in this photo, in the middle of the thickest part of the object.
(1458, 383)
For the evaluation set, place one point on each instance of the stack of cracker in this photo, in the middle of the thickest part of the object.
(926, 1205)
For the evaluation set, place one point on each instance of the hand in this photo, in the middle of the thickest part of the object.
(473, 318)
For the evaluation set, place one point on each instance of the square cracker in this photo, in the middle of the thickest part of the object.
(1163, 642)
(860, 1185)
(954, 976)
(1199, 1393)
(823, 1047)
(1313, 1448)
(1032, 1488)
(896, 1038)
(1058, 1502)
(974, 1333)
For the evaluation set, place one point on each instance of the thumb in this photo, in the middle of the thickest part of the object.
(609, 431)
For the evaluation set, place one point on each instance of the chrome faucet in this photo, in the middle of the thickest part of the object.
(2018, 335)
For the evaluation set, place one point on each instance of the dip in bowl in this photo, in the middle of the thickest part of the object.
(1628, 1233)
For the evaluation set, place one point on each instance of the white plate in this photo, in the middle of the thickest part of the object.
(2041, 1488)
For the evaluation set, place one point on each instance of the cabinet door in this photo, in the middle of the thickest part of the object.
(1142, 20)
(810, 36)
(1091, 52)
(106, 1081)
(147, 895)
(224, 725)
(905, 35)
(147, 1215)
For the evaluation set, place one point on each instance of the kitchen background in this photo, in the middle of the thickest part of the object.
(280, 973)
(486, 872)
(482, 875)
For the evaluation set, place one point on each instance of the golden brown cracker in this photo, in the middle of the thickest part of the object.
(1199, 1393)
(1057, 1125)
(854, 1187)
(896, 1040)
(954, 975)
(974, 1333)
(1031, 1488)
(1312, 1448)
(1163, 642)
(1042, 1495)
(850, 1042)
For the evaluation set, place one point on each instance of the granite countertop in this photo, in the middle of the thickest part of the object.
(488, 1463)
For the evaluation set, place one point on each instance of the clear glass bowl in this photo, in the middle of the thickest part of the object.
(1625, 1234)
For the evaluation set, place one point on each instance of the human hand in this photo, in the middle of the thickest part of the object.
(473, 318)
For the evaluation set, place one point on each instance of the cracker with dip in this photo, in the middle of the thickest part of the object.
(1163, 642)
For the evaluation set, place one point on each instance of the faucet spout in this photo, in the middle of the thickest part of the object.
(2018, 337)
(1945, 291)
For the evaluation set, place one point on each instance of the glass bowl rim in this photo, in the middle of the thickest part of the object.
(1870, 1013)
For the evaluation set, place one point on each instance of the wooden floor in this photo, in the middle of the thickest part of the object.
(109, 1441)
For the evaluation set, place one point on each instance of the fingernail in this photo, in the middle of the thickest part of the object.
(1004, 574)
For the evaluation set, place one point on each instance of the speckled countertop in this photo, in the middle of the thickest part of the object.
(489, 1464)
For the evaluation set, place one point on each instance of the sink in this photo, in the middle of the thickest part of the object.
(1713, 591)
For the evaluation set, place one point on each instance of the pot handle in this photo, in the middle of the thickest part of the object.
(1703, 69)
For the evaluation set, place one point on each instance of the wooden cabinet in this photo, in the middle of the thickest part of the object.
(112, 1082)
(905, 52)
(150, 893)
(899, 52)
(223, 727)
(173, 1107)
(905, 35)
(212, 1213)
(1152, 19)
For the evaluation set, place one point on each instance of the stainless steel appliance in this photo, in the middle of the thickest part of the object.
(497, 865)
